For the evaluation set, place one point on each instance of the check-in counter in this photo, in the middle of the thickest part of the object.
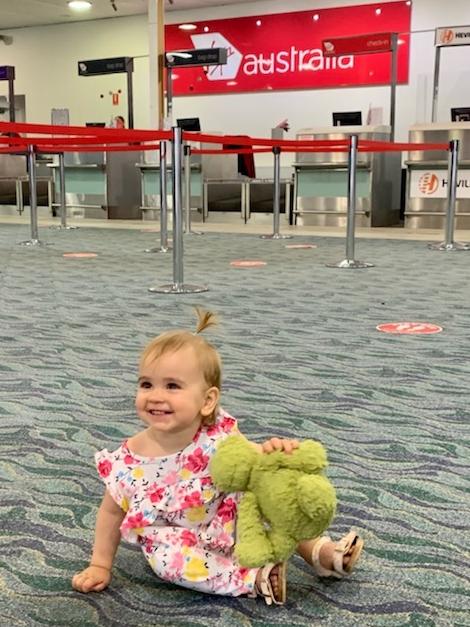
(150, 187)
(321, 180)
(427, 177)
(100, 185)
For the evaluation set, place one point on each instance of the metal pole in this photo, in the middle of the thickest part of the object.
(169, 94)
(130, 98)
(393, 84)
(178, 270)
(277, 191)
(435, 87)
(11, 95)
(163, 199)
(452, 179)
(187, 190)
(163, 248)
(351, 217)
(350, 262)
(178, 286)
(276, 197)
(63, 208)
(187, 185)
(33, 200)
(63, 203)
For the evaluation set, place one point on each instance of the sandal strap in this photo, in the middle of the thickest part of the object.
(342, 547)
(265, 589)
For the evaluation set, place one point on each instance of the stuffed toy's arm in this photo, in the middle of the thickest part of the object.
(253, 547)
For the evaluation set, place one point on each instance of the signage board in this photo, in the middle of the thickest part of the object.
(452, 36)
(96, 67)
(434, 184)
(284, 50)
(361, 44)
(196, 57)
(7, 72)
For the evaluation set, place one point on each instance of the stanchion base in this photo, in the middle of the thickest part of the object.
(33, 242)
(178, 288)
(350, 263)
(452, 246)
(158, 249)
(61, 227)
(190, 232)
(276, 236)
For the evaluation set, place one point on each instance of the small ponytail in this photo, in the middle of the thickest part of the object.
(205, 319)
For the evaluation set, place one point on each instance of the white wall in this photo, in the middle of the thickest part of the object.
(46, 67)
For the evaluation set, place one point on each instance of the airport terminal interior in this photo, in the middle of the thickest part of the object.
(261, 162)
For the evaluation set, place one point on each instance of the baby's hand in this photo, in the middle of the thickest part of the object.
(276, 444)
(92, 579)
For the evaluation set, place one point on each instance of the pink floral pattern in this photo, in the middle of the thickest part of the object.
(185, 526)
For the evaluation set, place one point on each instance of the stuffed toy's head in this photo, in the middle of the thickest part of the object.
(286, 497)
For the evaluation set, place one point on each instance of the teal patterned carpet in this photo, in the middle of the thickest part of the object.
(302, 358)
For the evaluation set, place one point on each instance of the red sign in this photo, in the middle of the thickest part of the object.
(363, 44)
(409, 328)
(284, 50)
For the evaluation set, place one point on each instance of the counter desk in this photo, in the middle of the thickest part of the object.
(100, 185)
(150, 188)
(321, 181)
(426, 187)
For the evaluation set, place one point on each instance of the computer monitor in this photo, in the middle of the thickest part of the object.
(460, 114)
(189, 124)
(347, 118)
(98, 124)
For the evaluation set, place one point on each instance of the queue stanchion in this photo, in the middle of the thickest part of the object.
(448, 243)
(178, 286)
(164, 247)
(350, 262)
(33, 200)
(187, 191)
(63, 204)
(276, 198)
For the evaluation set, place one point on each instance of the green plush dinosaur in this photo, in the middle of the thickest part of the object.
(286, 497)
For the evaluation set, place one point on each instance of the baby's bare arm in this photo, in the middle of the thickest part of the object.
(97, 575)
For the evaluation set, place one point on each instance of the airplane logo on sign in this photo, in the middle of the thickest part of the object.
(234, 56)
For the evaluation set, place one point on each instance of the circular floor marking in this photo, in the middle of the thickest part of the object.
(301, 246)
(80, 255)
(409, 328)
(247, 263)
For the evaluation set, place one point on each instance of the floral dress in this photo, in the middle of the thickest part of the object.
(184, 524)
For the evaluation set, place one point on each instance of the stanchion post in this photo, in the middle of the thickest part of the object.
(62, 198)
(178, 270)
(187, 190)
(33, 200)
(276, 198)
(163, 248)
(350, 262)
(452, 179)
(178, 286)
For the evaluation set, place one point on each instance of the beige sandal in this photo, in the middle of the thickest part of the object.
(265, 589)
(351, 544)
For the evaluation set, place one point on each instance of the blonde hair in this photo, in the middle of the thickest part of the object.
(208, 357)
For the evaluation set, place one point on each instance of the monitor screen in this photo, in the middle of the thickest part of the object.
(347, 118)
(99, 124)
(460, 114)
(189, 124)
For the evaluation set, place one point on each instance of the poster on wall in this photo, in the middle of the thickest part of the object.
(284, 50)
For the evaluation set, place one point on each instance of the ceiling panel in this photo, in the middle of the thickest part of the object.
(20, 13)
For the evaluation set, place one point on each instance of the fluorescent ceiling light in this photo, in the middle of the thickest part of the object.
(187, 26)
(79, 5)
